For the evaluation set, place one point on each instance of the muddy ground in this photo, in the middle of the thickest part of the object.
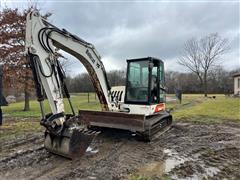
(186, 151)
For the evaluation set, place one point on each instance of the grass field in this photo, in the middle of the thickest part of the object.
(194, 108)
(80, 101)
(18, 122)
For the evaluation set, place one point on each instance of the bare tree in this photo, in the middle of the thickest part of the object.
(116, 77)
(199, 56)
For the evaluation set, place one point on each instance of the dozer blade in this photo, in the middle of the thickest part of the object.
(147, 127)
(71, 144)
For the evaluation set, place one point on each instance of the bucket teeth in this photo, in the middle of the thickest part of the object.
(73, 145)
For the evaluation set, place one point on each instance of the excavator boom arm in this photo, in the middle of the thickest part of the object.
(42, 39)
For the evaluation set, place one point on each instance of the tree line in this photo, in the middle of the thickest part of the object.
(82, 82)
(219, 81)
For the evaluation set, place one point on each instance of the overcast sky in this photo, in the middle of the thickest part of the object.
(125, 30)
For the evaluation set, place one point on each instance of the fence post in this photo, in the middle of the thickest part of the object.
(95, 96)
(88, 98)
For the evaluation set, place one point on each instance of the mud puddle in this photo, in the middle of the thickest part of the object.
(165, 168)
(162, 167)
(186, 151)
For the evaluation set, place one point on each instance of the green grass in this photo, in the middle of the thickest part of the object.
(80, 101)
(187, 100)
(221, 109)
(14, 127)
(194, 108)
(18, 122)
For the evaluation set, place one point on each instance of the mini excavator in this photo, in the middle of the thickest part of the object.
(139, 106)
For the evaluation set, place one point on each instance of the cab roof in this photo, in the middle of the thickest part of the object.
(144, 59)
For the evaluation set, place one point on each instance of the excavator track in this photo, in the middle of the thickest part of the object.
(155, 126)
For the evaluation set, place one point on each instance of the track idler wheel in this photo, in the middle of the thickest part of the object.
(72, 143)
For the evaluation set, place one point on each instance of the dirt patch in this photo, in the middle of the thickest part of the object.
(185, 151)
(13, 128)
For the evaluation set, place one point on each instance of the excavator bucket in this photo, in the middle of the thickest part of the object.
(71, 144)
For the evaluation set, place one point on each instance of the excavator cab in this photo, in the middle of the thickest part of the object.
(143, 110)
(145, 81)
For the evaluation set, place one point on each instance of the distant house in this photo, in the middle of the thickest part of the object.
(236, 84)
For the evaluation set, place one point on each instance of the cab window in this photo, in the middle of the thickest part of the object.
(137, 82)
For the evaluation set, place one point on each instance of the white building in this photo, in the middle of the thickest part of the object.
(236, 84)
